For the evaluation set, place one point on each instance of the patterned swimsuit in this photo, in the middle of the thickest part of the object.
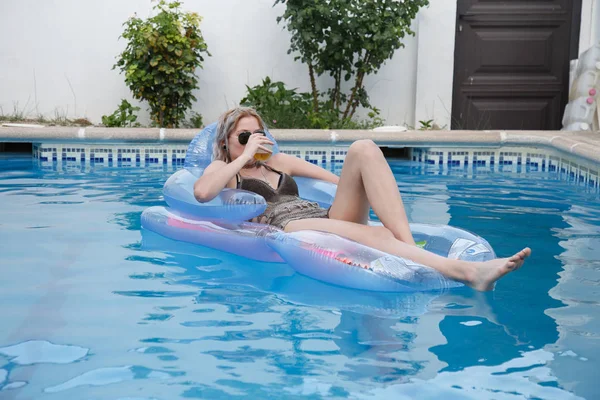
(283, 204)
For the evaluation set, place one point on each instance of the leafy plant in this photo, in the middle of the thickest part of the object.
(160, 60)
(347, 39)
(122, 117)
(430, 125)
(426, 125)
(287, 108)
(280, 107)
(195, 121)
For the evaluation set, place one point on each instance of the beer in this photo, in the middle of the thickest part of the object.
(262, 155)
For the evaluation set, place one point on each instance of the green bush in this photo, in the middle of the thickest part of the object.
(124, 116)
(160, 61)
(195, 121)
(348, 40)
(279, 107)
(286, 108)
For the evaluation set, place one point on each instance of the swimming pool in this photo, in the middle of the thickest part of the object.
(93, 308)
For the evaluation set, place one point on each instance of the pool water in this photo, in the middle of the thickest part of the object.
(91, 307)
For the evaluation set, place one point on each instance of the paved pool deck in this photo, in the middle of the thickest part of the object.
(581, 144)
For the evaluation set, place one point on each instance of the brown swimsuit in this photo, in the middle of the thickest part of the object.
(283, 204)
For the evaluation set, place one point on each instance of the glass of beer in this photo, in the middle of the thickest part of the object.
(262, 155)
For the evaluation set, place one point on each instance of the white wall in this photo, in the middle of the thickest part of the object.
(47, 47)
(590, 24)
(435, 62)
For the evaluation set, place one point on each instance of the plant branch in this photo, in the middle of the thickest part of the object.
(313, 86)
(352, 102)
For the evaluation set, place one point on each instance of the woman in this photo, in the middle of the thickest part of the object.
(366, 181)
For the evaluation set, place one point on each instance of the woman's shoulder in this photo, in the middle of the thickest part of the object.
(215, 165)
(280, 162)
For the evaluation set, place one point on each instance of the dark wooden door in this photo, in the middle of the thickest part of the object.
(511, 64)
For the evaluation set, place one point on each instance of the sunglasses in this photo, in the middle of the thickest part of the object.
(244, 136)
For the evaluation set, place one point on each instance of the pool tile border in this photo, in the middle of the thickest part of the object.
(512, 159)
(523, 159)
(146, 155)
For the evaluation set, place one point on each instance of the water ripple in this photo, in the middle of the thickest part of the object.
(208, 324)
(153, 293)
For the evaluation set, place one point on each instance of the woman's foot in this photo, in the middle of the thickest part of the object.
(486, 274)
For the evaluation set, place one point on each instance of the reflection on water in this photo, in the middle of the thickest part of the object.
(526, 377)
(214, 269)
(41, 351)
(107, 376)
(95, 308)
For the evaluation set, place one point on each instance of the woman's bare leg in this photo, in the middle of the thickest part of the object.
(367, 180)
(478, 275)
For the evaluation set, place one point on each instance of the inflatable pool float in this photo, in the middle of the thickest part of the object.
(581, 113)
(222, 224)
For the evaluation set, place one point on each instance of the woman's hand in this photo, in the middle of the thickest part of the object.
(255, 143)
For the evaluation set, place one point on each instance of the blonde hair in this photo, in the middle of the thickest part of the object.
(227, 123)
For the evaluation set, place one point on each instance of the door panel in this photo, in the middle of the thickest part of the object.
(511, 64)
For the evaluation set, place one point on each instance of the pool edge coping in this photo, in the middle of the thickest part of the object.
(581, 144)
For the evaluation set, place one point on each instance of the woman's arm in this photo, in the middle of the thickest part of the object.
(216, 177)
(297, 167)
(220, 174)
